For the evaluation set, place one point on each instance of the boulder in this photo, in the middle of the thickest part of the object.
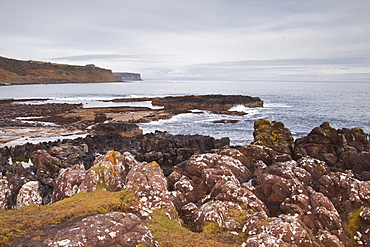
(112, 169)
(108, 172)
(29, 194)
(273, 135)
(280, 231)
(147, 182)
(111, 229)
(72, 180)
(218, 212)
(5, 193)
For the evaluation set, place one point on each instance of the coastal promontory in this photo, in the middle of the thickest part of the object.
(14, 71)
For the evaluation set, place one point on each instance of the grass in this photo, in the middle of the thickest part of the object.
(171, 233)
(14, 223)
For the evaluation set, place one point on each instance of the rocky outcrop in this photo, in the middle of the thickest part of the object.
(147, 182)
(207, 102)
(270, 192)
(343, 149)
(111, 229)
(273, 135)
(125, 129)
(30, 72)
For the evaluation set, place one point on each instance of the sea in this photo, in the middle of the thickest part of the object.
(301, 106)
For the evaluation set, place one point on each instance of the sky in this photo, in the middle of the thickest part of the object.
(285, 40)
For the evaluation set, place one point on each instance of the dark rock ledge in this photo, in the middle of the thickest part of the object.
(313, 191)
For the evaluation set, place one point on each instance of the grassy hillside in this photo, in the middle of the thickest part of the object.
(16, 71)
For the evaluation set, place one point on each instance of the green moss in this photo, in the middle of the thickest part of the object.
(172, 233)
(14, 223)
(353, 223)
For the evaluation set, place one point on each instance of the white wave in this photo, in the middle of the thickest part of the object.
(276, 105)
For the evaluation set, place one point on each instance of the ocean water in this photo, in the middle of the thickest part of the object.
(300, 105)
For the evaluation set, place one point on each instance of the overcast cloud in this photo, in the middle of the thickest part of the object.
(195, 39)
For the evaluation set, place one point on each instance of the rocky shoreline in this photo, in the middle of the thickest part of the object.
(160, 189)
(18, 119)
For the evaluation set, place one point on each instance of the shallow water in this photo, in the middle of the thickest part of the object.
(300, 105)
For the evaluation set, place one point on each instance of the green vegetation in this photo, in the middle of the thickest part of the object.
(14, 223)
(171, 233)
(16, 71)
(353, 223)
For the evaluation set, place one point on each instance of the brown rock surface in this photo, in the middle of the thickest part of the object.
(112, 229)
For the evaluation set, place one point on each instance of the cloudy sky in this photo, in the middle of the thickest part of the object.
(195, 39)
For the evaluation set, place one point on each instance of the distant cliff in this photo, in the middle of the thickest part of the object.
(14, 71)
(125, 76)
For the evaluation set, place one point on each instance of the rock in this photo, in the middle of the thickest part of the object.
(273, 135)
(218, 212)
(197, 165)
(125, 129)
(147, 182)
(363, 234)
(345, 191)
(108, 172)
(112, 169)
(72, 180)
(255, 153)
(341, 149)
(207, 102)
(280, 231)
(111, 229)
(29, 194)
(67, 154)
(5, 193)
(242, 194)
(316, 211)
(46, 167)
(275, 183)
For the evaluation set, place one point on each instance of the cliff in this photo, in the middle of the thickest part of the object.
(14, 71)
(125, 76)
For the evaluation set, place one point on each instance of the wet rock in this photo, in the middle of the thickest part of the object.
(29, 194)
(273, 135)
(112, 229)
(147, 182)
(125, 129)
(207, 102)
(67, 154)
